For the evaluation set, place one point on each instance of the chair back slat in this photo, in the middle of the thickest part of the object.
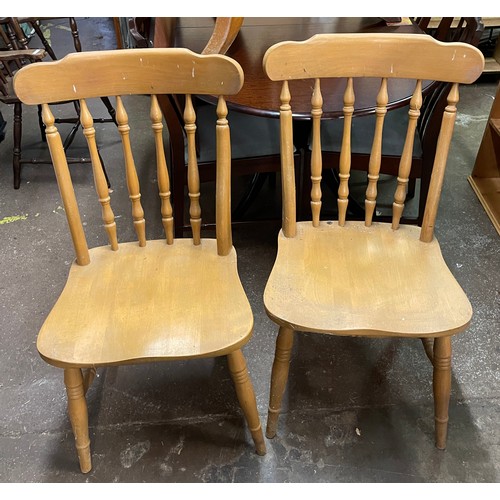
(100, 182)
(193, 173)
(65, 187)
(287, 163)
(406, 156)
(223, 181)
(316, 159)
(161, 171)
(376, 153)
(131, 173)
(345, 154)
(438, 169)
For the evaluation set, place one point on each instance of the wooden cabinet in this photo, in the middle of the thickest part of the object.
(485, 177)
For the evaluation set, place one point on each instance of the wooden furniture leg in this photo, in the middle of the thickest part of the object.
(279, 377)
(77, 409)
(88, 377)
(442, 388)
(428, 344)
(246, 397)
(18, 127)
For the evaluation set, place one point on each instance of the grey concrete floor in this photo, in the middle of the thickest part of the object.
(356, 410)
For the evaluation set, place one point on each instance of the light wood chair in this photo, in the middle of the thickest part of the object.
(363, 278)
(143, 301)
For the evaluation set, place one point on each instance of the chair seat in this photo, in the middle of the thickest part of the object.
(152, 303)
(357, 280)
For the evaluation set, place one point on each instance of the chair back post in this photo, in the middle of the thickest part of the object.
(289, 216)
(223, 181)
(65, 187)
(438, 170)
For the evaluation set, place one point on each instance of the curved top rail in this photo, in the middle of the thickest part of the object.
(129, 71)
(388, 55)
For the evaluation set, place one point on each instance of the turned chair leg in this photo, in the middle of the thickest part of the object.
(77, 409)
(41, 125)
(428, 344)
(279, 377)
(246, 397)
(442, 388)
(16, 153)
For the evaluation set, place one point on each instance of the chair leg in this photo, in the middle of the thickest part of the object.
(41, 125)
(111, 110)
(77, 409)
(16, 153)
(246, 397)
(412, 183)
(255, 186)
(428, 344)
(442, 388)
(88, 377)
(279, 377)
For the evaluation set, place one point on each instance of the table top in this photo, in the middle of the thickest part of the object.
(260, 96)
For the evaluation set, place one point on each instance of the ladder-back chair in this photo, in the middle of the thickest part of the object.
(364, 278)
(143, 301)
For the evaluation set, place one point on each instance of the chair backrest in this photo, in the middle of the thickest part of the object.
(451, 29)
(13, 35)
(19, 53)
(353, 56)
(34, 23)
(14, 55)
(136, 72)
(226, 29)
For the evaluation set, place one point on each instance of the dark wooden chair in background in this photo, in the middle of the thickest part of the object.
(448, 29)
(16, 55)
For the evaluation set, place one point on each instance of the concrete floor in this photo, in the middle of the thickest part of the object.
(356, 410)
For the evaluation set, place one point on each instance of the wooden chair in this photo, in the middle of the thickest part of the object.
(446, 29)
(138, 302)
(364, 278)
(18, 55)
